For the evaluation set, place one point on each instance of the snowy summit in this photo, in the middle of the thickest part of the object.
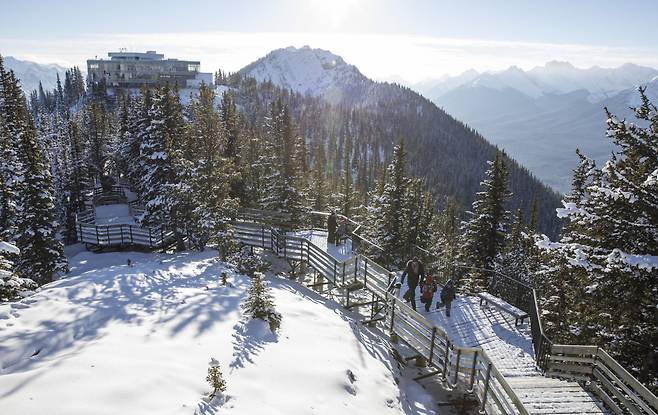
(316, 72)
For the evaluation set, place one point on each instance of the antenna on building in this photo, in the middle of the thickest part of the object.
(122, 49)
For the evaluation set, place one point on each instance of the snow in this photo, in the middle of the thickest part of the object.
(308, 71)
(341, 253)
(9, 248)
(114, 214)
(111, 338)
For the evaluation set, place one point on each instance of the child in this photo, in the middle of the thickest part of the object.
(427, 291)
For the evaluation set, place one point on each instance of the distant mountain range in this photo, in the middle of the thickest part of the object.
(30, 73)
(542, 115)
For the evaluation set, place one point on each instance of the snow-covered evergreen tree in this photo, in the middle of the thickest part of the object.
(260, 303)
(11, 285)
(36, 237)
(208, 174)
(611, 242)
(10, 168)
(484, 233)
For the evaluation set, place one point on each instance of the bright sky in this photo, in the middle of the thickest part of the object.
(387, 39)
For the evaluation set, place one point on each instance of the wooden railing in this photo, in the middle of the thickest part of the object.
(118, 235)
(605, 376)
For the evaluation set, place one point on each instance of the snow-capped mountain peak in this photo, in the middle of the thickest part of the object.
(309, 71)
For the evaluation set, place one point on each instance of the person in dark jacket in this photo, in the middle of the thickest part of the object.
(447, 295)
(416, 273)
(331, 228)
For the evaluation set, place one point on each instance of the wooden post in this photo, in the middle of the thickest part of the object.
(475, 361)
(343, 273)
(432, 345)
(130, 228)
(121, 230)
(445, 360)
(459, 355)
(487, 379)
(150, 241)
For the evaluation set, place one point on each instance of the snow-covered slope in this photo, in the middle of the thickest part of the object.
(314, 71)
(114, 339)
(30, 73)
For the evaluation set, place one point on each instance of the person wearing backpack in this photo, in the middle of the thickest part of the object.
(447, 295)
(427, 291)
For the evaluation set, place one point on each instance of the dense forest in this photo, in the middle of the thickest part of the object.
(421, 183)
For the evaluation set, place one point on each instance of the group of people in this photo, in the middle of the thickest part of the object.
(414, 271)
(336, 230)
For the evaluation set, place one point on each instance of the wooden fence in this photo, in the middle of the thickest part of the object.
(119, 235)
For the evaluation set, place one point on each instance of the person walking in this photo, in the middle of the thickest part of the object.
(447, 295)
(416, 273)
(342, 231)
(331, 228)
(427, 290)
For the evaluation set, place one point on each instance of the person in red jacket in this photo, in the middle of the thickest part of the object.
(427, 291)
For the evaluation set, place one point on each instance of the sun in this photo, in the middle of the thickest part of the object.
(333, 12)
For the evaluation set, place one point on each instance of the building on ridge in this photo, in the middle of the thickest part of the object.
(135, 69)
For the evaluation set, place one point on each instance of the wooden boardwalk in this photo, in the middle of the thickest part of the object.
(510, 348)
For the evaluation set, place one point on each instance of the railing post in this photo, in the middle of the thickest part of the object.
(365, 271)
(445, 360)
(485, 393)
(335, 263)
(262, 236)
(392, 315)
(432, 345)
(121, 230)
(150, 240)
(459, 355)
(475, 361)
(343, 273)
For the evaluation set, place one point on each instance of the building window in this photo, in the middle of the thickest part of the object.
(193, 67)
(93, 66)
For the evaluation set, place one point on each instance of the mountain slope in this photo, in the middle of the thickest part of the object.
(30, 73)
(374, 116)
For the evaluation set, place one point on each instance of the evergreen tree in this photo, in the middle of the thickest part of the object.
(11, 285)
(388, 212)
(260, 303)
(41, 252)
(611, 244)
(10, 169)
(208, 173)
(484, 233)
(446, 248)
(165, 196)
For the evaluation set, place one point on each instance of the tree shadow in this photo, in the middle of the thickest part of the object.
(184, 293)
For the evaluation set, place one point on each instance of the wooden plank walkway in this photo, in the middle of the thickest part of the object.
(510, 349)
